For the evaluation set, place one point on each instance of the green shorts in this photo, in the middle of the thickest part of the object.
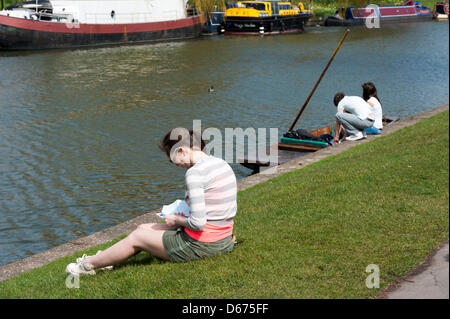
(181, 247)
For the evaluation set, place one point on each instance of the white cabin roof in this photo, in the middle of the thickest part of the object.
(120, 11)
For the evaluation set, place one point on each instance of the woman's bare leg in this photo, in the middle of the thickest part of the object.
(146, 237)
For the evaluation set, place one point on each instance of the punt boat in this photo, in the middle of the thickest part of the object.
(289, 149)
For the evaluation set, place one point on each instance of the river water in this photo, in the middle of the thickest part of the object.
(79, 128)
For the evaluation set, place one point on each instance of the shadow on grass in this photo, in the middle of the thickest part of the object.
(142, 258)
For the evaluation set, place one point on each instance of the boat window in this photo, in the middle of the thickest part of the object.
(257, 6)
(285, 7)
(440, 9)
(275, 8)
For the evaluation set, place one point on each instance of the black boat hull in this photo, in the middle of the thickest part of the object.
(266, 25)
(333, 21)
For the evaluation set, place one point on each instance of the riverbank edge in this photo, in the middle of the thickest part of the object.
(101, 237)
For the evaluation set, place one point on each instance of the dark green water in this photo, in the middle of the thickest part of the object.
(78, 129)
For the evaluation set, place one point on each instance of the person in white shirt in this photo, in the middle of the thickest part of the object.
(354, 115)
(370, 95)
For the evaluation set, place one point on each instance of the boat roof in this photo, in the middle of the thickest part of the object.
(266, 1)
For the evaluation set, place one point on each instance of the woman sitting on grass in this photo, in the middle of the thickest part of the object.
(370, 95)
(211, 194)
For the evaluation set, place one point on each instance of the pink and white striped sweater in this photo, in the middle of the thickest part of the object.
(211, 194)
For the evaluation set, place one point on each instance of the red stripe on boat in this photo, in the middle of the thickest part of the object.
(363, 12)
(59, 27)
(399, 11)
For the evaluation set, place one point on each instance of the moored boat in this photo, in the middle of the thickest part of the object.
(408, 12)
(441, 11)
(287, 150)
(213, 22)
(51, 24)
(264, 17)
(290, 149)
(312, 143)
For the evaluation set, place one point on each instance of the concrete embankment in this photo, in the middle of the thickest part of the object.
(109, 234)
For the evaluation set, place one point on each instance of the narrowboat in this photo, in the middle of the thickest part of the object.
(264, 17)
(440, 11)
(289, 148)
(52, 24)
(410, 11)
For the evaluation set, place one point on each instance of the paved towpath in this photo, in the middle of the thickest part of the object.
(428, 281)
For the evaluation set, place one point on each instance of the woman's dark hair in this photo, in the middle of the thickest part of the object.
(181, 137)
(338, 97)
(369, 90)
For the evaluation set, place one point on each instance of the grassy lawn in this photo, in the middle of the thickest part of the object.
(310, 233)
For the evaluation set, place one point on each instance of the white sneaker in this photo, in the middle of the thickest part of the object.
(98, 252)
(355, 137)
(78, 268)
(364, 134)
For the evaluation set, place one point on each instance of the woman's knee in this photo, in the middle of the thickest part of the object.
(154, 226)
(148, 240)
(143, 236)
(135, 237)
(146, 226)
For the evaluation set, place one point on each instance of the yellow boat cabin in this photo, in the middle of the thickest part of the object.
(258, 9)
(260, 17)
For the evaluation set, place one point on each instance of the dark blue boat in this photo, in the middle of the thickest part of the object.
(213, 22)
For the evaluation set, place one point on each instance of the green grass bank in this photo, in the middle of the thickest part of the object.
(309, 233)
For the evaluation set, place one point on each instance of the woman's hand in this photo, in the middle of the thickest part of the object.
(174, 220)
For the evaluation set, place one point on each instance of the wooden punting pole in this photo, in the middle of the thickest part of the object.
(318, 81)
